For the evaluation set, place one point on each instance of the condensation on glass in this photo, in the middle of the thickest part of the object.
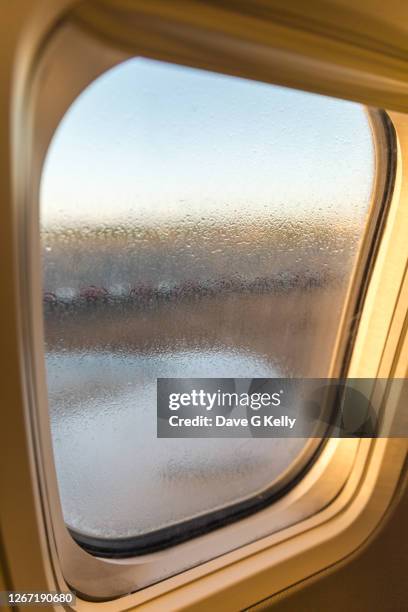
(193, 225)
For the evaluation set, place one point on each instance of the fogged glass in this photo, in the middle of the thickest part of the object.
(193, 225)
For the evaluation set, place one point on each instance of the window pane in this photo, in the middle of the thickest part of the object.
(193, 225)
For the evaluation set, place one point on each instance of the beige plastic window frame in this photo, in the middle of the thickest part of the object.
(328, 515)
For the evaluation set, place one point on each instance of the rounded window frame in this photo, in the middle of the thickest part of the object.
(125, 577)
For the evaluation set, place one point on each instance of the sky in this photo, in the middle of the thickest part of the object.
(153, 142)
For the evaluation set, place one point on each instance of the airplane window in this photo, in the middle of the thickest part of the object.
(193, 225)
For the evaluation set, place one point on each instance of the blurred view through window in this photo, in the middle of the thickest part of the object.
(193, 225)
